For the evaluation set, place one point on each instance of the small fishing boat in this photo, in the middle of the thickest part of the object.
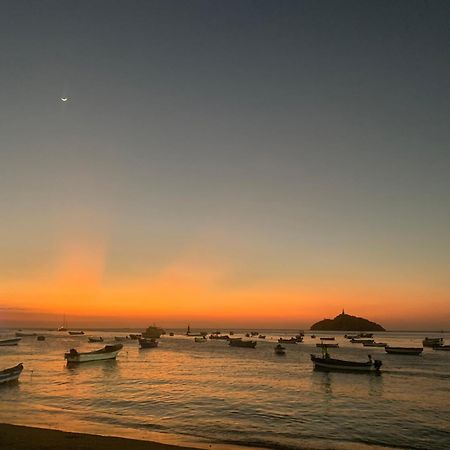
(365, 335)
(443, 348)
(330, 364)
(22, 334)
(120, 338)
(324, 345)
(327, 339)
(361, 341)
(238, 342)
(11, 341)
(279, 350)
(148, 342)
(403, 350)
(247, 334)
(291, 340)
(11, 374)
(254, 333)
(95, 339)
(261, 336)
(374, 344)
(351, 336)
(171, 333)
(107, 352)
(313, 336)
(200, 339)
(76, 333)
(41, 338)
(427, 342)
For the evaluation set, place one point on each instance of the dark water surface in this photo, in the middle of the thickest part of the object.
(209, 392)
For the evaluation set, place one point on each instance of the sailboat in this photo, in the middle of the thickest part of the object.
(63, 327)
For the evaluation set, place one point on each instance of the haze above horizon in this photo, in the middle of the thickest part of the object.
(252, 162)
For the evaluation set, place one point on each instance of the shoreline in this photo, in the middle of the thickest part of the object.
(24, 437)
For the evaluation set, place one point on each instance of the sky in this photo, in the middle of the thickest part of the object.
(239, 163)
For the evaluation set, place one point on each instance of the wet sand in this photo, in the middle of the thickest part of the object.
(15, 437)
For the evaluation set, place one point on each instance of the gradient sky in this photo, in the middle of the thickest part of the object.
(224, 162)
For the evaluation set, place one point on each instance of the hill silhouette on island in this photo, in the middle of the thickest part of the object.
(346, 322)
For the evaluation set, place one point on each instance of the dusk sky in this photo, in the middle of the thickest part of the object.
(224, 162)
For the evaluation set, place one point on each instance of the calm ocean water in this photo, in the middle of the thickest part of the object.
(208, 392)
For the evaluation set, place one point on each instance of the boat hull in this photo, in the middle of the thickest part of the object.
(8, 342)
(148, 343)
(404, 350)
(442, 348)
(11, 374)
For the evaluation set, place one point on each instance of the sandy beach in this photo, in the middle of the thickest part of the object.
(14, 437)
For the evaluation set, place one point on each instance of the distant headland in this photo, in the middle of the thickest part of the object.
(346, 322)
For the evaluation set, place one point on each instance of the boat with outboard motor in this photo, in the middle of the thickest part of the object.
(331, 364)
(10, 341)
(107, 352)
(11, 374)
(403, 350)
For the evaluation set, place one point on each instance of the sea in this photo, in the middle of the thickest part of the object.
(214, 395)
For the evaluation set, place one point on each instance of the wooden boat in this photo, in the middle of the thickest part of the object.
(403, 350)
(291, 340)
(95, 339)
(313, 336)
(324, 345)
(261, 336)
(148, 343)
(361, 341)
(443, 348)
(76, 333)
(22, 334)
(120, 338)
(8, 342)
(11, 374)
(327, 363)
(427, 342)
(327, 339)
(200, 339)
(365, 335)
(279, 350)
(41, 338)
(238, 342)
(171, 334)
(107, 352)
(374, 344)
(351, 336)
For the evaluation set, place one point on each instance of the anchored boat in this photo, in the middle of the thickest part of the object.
(11, 341)
(430, 342)
(108, 352)
(238, 342)
(11, 374)
(280, 350)
(403, 350)
(95, 339)
(327, 363)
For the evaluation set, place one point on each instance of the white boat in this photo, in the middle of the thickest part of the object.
(108, 352)
(11, 374)
(10, 341)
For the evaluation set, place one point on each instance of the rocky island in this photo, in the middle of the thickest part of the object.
(346, 322)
